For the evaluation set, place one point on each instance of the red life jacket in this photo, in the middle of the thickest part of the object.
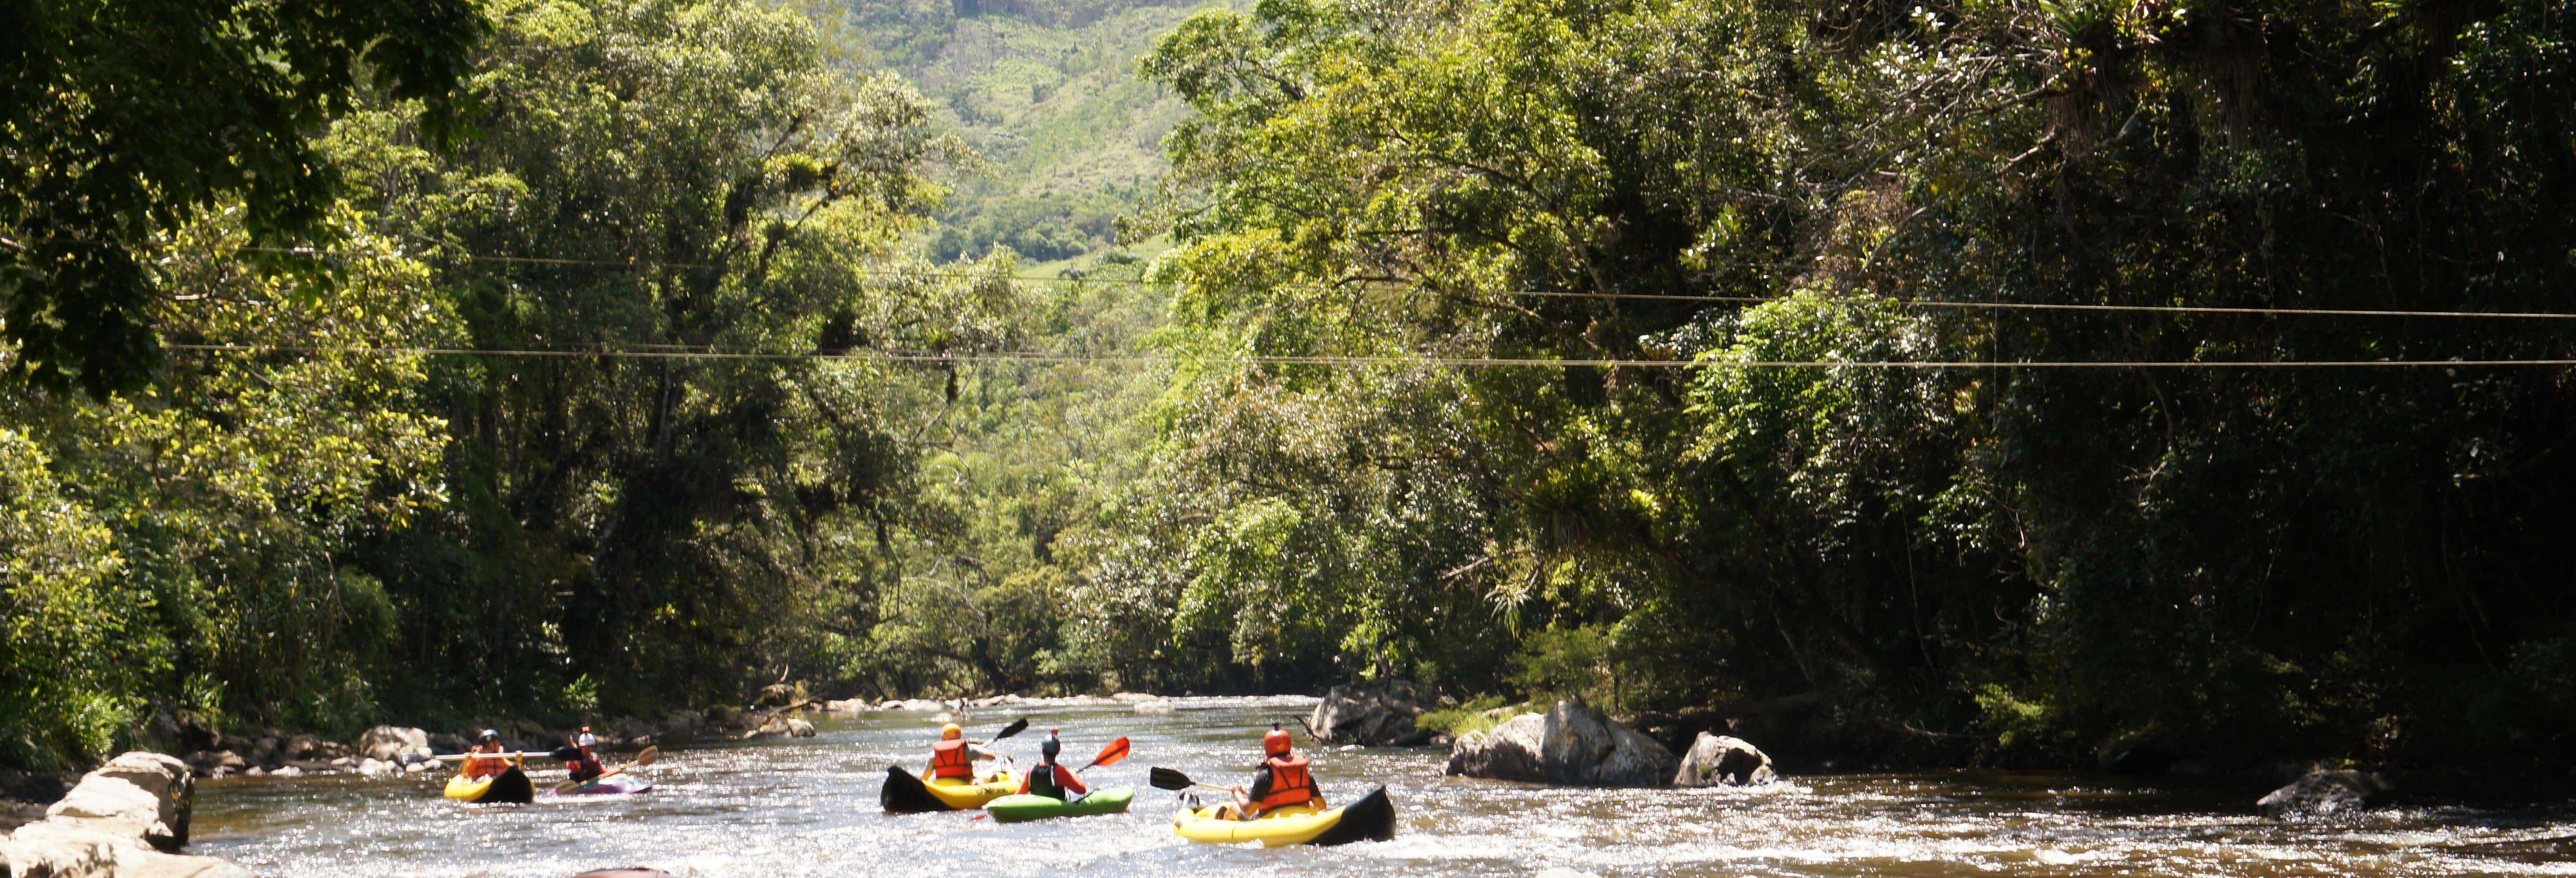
(1289, 783)
(950, 759)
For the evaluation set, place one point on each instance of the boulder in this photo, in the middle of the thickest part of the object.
(1570, 745)
(395, 744)
(1718, 760)
(145, 795)
(797, 727)
(1156, 706)
(118, 821)
(1372, 714)
(1132, 697)
(2324, 793)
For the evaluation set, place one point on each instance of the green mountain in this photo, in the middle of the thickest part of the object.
(1048, 92)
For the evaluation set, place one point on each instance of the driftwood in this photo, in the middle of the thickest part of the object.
(774, 716)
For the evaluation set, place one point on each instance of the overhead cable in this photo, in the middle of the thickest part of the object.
(1553, 294)
(1044, 357)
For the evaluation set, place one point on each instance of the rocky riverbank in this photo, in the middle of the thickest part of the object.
(402, 749)
(128, 819)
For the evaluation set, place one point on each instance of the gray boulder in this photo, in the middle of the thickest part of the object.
(118, 821)
(1718, 760)
(394, 744)
(2324, 793)
(1570, 745)
(1370, 714)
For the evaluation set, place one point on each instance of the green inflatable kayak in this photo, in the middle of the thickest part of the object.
(1020, 809)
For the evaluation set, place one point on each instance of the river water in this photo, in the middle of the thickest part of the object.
(809, 808)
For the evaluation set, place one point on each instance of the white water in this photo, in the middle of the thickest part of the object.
(809, 808)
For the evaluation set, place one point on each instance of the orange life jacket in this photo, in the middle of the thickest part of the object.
(482, 767)
(950, 759)
(1289, 783)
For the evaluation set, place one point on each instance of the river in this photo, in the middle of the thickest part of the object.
(809, 808)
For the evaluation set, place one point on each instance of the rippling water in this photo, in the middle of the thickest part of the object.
(809, 808)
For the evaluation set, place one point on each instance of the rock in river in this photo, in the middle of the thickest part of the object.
(394, 744)
(1372, 714)
(2322, 792)
(119, 821)
(1718, 760)
(1570, 745)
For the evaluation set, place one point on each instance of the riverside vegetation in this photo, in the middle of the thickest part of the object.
(324, 521)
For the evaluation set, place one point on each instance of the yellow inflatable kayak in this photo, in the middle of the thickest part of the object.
(1372, 818)
(508, 786)
(905, 794)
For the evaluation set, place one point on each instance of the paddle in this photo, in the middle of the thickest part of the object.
(1168, 779)
(649, 756)
(1110, 755)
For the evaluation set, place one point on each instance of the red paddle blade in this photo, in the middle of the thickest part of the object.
(1109, 755)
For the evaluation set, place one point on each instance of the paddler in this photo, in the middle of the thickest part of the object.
(584, 760)
(954, 756)
(1283, 780)
(1050, 778)
(477, 765)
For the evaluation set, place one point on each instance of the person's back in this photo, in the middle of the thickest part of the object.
(1283, 781)
(953, 756)
(1051, 779)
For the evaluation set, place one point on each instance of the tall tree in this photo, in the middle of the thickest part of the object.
(123, 120)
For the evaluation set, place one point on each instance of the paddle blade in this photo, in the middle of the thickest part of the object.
(1017, 726)
(649, 756)
(1109, 755)
(1167, 779)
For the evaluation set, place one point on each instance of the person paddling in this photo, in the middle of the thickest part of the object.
(1050, 778)
(954, 756)
(583, 761)
(1282, 782)
(477, 765)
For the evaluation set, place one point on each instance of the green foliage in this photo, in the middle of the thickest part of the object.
(104, 147)
(2282, 560)
(1575, 663)
(1046, 92)
(1464, 718)
(310, 526)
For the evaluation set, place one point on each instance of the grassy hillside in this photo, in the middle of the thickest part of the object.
(1048, 92)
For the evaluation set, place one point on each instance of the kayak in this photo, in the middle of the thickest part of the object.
(1021, 809)
(905, 794)
(1372, 818)
(612, 785)
(510, 786)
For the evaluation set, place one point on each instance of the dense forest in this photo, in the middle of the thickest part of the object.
(1994, 382)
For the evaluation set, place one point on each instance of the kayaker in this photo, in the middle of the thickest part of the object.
(584, 762)
(1283, 780)
(478, 765)
(954, 756)
(1050, 778)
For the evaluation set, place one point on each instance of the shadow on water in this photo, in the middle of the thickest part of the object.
(809, 808)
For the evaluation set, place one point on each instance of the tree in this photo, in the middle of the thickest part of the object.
(122, 121)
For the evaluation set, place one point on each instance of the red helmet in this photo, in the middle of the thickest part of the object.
(1274, 742)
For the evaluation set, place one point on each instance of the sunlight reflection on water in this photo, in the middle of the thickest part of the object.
(809, 808)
